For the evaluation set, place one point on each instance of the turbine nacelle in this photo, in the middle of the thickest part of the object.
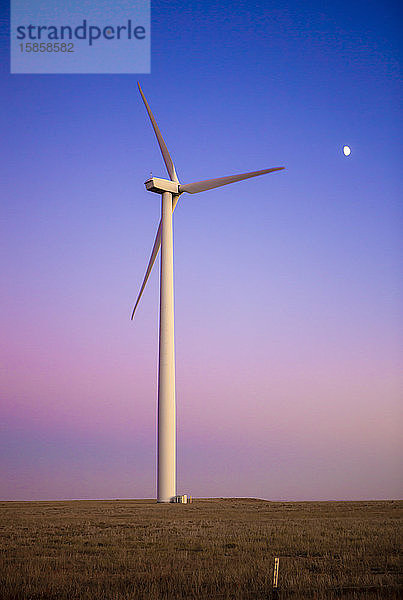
(157, 185)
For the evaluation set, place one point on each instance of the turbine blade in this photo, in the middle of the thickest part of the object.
(164, 150)
(175, 199)
(209, 184)
(154, 254)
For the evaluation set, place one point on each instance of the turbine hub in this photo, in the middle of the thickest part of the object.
(155, 184)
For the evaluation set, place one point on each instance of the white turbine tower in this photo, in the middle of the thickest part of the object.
(170, 190)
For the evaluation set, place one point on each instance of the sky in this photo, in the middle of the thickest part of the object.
(288, 292)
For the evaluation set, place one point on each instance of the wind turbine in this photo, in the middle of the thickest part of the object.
(171, 190)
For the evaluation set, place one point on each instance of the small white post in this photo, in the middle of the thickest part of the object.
(275, 572)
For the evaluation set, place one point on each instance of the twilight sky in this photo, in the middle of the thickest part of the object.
(288, 295)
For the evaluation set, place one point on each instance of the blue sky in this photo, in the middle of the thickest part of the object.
(288, 292)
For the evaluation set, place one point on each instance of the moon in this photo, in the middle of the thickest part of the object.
(346, 150)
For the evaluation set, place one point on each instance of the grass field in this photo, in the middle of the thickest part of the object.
(220, 548)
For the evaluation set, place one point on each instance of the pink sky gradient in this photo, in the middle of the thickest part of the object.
(287, 287)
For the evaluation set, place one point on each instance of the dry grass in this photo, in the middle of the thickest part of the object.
(222, 548)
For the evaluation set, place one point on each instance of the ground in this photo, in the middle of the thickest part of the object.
(212, 548)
